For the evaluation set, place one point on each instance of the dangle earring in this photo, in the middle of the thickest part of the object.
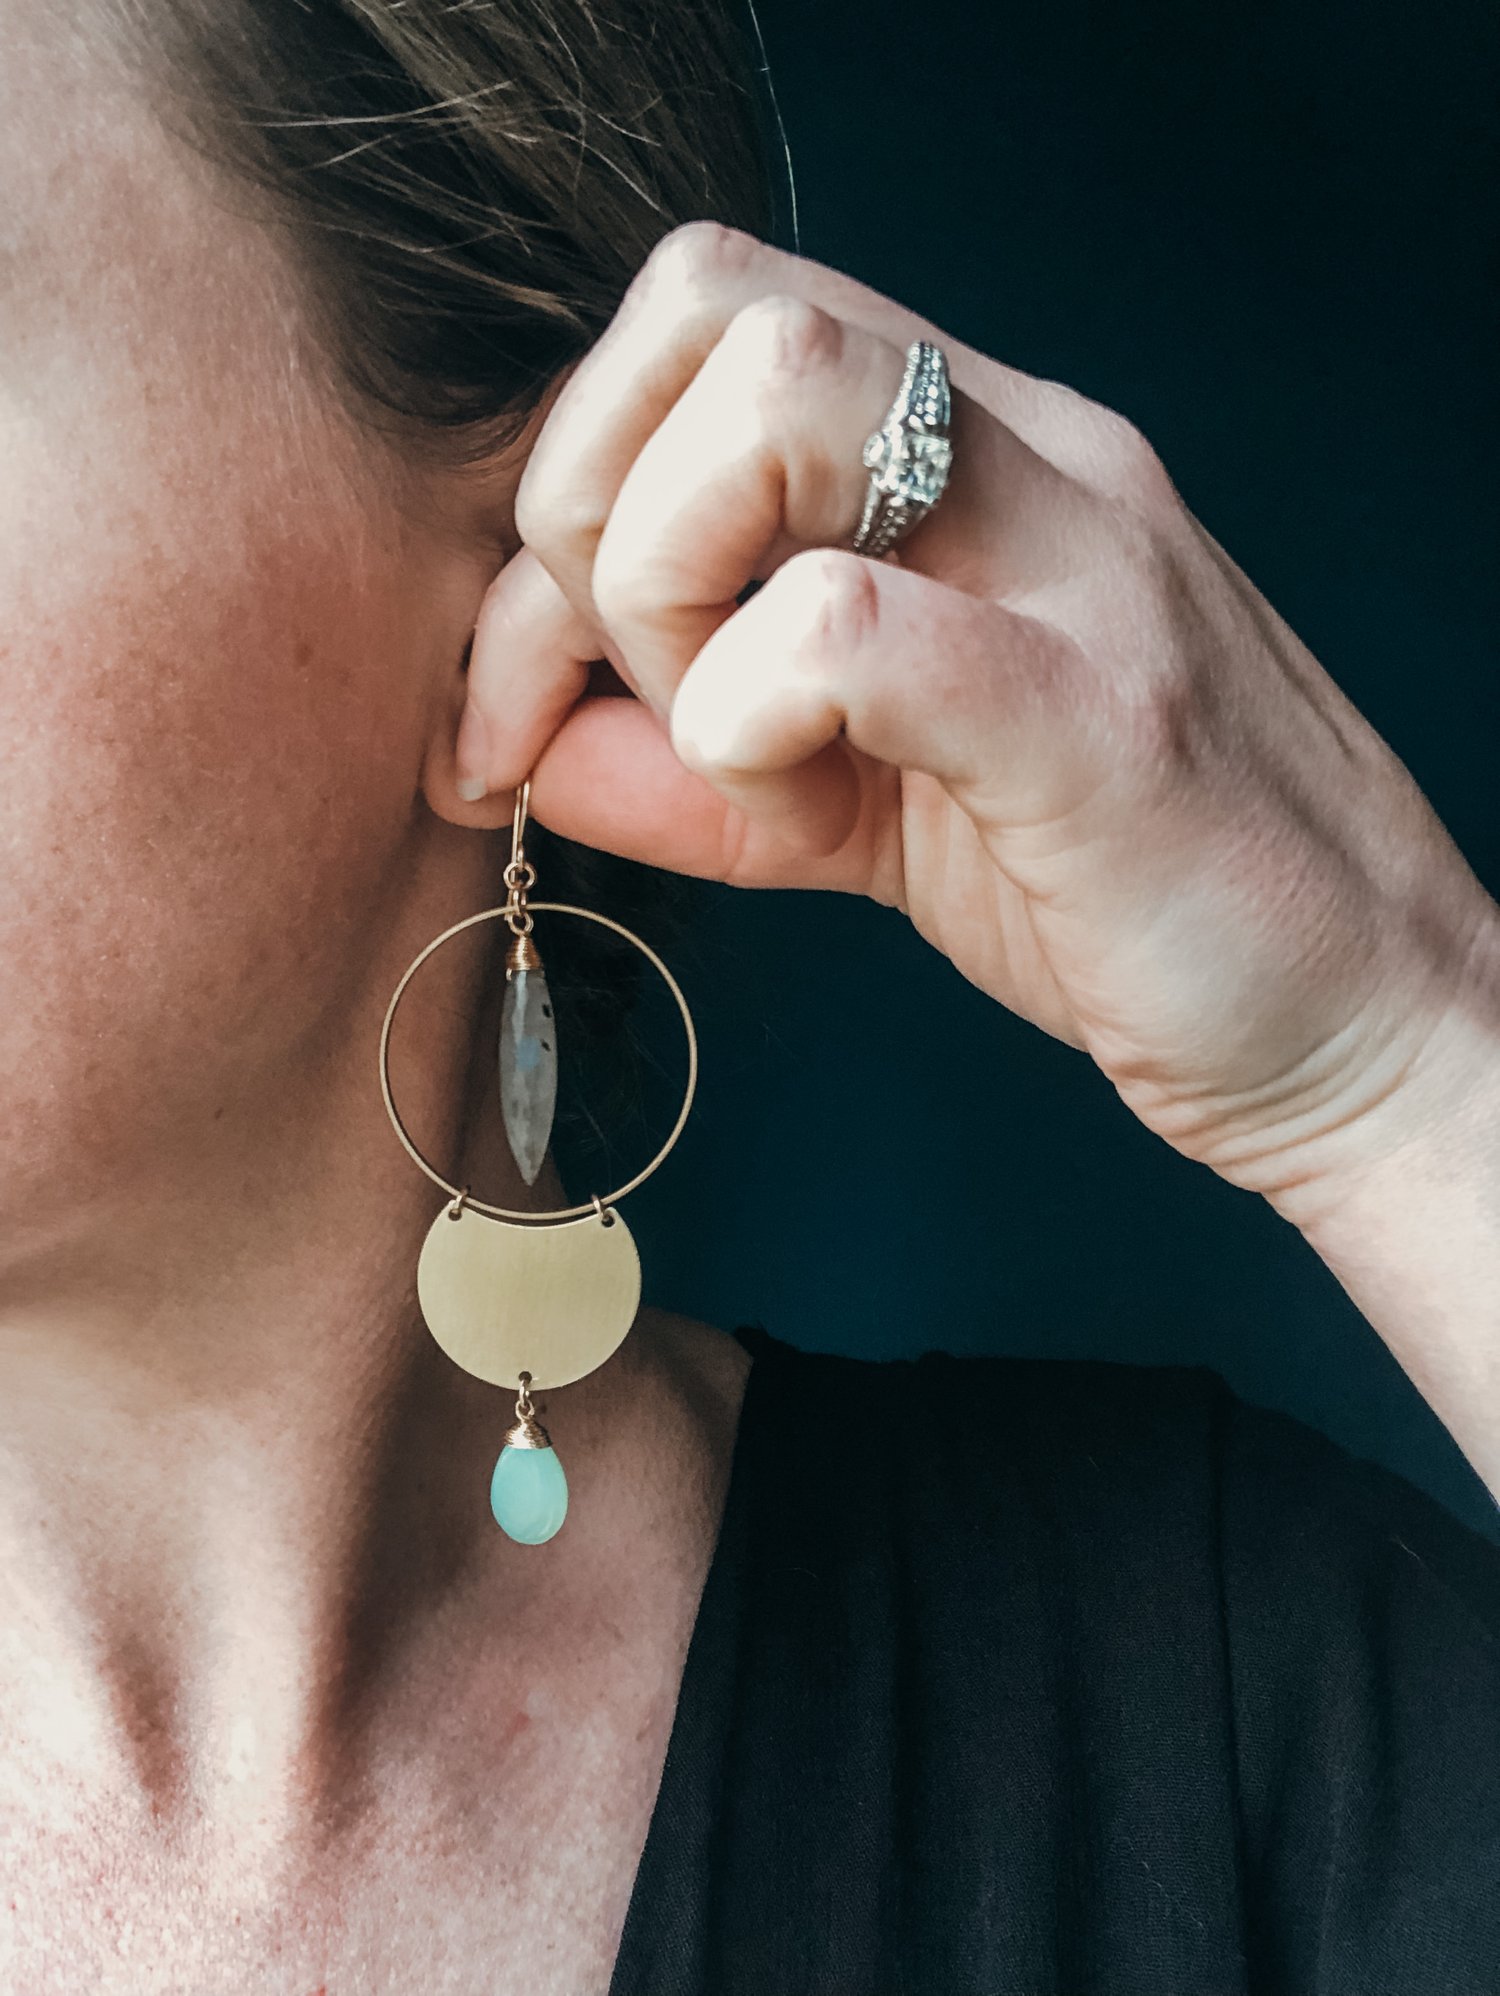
(529, 1300)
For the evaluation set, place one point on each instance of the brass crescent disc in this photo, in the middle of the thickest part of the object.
(554, 1301)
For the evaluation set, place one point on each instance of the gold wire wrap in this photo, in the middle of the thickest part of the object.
(526, 1431)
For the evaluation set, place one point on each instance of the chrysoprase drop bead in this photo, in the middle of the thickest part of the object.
(529, 1494)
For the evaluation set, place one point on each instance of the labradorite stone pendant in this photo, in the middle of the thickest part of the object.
(528, 1057)
(528, 1491)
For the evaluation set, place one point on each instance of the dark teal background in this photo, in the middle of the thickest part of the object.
(1267, 235)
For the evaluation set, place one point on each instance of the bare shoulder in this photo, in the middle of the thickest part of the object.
(702, 1367)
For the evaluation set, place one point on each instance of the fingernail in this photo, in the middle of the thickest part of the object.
(471, 755)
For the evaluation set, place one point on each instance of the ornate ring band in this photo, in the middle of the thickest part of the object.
(910, 455)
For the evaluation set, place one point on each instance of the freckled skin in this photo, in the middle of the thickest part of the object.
(220, 645)
(266, 1664)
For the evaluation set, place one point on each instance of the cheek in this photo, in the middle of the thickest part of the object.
(213, 704)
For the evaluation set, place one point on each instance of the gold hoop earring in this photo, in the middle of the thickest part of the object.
(521, 1299)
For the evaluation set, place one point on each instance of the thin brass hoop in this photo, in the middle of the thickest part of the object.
(596, 1202)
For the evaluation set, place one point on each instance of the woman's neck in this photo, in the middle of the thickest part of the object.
(243, 1494)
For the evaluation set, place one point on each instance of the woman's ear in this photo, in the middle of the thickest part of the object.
(475, 760)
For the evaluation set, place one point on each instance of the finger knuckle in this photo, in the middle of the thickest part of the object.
(696, 255)
(835, 599)
(1125, 463)
(620, 586)
(554, 515)
(782, 338)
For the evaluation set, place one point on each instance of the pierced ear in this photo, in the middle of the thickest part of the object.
(440, 763)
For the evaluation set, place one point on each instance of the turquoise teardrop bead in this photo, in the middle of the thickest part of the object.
(529, 1494)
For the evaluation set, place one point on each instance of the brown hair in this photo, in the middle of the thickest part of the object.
(467, 191)
(467, 188)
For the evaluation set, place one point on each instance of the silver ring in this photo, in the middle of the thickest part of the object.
(909, 456)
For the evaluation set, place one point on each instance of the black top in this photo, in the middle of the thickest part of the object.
(1044, 1678)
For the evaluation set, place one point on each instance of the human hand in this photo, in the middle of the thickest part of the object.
(1058, 727)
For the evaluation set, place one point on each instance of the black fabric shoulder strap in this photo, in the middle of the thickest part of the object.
(1026, 1676)
(924, 1741)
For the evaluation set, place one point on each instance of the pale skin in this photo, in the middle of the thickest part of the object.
(280, 1707)
(273, 1689)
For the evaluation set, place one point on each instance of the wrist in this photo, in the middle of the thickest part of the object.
(1407, 1218)
(1429, 1113)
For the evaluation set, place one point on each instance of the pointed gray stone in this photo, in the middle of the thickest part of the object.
(528, 1068)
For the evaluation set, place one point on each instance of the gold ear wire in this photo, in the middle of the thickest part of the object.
(518, 823)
